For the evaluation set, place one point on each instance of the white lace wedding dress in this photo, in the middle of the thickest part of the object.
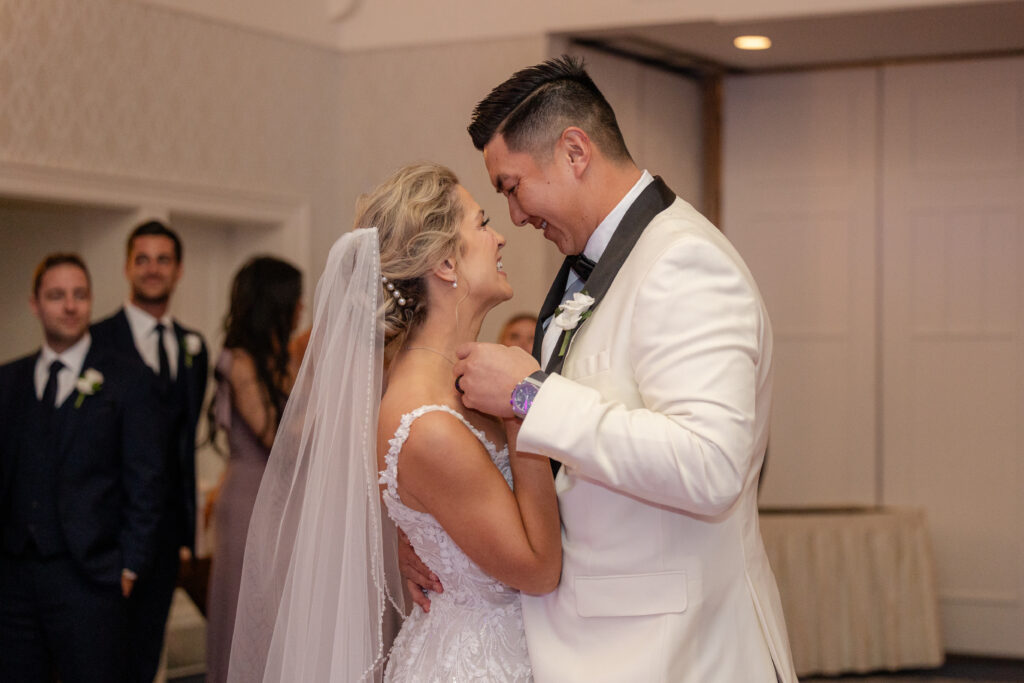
(474, 630)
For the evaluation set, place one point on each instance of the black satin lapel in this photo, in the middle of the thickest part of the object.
(555, 293)
(551, 302)
(555, 362)
(655, 198)
(538, 338)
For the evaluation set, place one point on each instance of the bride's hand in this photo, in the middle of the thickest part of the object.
(418, 577)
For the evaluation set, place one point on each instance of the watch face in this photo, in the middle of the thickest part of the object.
(522, 398)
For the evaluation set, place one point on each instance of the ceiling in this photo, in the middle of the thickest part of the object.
(839, 39)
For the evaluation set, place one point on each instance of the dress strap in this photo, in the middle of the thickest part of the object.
(389, 475)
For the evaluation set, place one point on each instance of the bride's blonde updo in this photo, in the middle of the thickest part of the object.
(417, 213)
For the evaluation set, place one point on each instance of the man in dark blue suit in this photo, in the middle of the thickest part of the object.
(144, 330)
(80, 483)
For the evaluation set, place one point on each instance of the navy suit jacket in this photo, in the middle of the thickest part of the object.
(182, 407)
(110, 468)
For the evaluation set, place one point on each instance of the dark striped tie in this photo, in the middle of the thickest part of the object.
(161, 354)
(50, 392)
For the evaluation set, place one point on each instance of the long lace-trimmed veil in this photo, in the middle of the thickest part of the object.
(320, 589)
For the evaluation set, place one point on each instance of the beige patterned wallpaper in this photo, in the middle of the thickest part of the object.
(123, 88)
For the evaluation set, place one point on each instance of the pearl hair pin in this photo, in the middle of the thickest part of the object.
(388, 285)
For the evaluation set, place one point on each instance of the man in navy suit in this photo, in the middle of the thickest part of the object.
(80, 481)
(144, 330)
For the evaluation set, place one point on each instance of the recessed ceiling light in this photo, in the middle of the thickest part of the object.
(752, 42)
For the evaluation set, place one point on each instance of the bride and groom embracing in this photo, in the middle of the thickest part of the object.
(641, 560)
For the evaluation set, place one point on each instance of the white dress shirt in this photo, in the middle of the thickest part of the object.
(596, 245)
(72, 358)
(143, 327)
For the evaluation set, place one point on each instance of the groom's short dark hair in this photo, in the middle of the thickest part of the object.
(531, 109)
(54, 260)
(154, 228)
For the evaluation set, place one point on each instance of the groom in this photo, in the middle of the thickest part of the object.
(655, 398)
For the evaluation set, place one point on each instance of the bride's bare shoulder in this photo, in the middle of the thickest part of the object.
(405, 396)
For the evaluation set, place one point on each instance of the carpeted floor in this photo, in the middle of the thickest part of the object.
(958, 669)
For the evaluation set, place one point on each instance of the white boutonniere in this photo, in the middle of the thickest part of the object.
(88, 384)
(570, 314)
(193, 347)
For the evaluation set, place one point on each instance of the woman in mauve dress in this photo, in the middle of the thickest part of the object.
(254, 374)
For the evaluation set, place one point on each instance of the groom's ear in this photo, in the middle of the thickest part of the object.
(577, 148)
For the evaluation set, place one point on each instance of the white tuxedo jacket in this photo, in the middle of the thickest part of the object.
(660, 417)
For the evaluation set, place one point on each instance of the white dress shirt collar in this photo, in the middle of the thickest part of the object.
(143, 321)
(73, 359)
(143, 326)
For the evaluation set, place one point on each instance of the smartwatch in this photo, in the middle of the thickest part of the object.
(524, 393)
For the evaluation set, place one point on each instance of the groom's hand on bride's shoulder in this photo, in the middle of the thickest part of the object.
(486, 374)
(417, 575)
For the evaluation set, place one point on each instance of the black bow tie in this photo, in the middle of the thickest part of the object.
(581, 265)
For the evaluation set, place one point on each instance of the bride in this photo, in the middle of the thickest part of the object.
(398, 295)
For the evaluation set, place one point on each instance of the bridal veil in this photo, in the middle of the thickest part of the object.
(320, 589)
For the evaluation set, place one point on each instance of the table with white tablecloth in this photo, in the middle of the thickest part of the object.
(857, 586)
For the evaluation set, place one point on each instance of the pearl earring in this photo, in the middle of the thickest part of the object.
(455, 283)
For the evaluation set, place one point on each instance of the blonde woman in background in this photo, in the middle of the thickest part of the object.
(518, 331)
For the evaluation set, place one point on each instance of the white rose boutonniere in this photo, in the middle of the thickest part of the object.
(570, 314)
(193, 347)
(88, 384)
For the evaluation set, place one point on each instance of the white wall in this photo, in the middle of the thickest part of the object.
(799, 175)
(881, 211)
(953, 333)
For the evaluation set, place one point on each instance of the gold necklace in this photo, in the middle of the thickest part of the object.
(427, 348)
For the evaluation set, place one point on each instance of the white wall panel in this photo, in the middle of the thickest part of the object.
(800, 156)
(660, 117)
(953, 333)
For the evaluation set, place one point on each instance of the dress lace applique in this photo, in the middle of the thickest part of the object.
(474, 630)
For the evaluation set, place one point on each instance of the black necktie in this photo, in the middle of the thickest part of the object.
(582, 266)
(161, 354)
(50, 392)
